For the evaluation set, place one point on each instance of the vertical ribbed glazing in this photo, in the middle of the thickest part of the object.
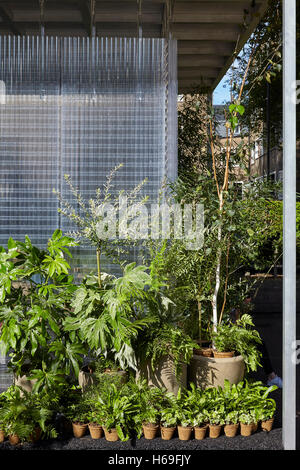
(80, 106)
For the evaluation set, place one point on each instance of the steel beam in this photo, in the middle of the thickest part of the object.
(289, 225)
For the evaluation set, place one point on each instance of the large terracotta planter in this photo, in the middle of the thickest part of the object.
(86, 379)
(24, 383)
(2, 435)
(207, 372)
(164, 375)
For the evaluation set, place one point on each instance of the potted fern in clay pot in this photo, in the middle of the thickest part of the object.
(231, 423)
(168, 423)
(216, 422)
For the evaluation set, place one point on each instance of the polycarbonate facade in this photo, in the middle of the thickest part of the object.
(81, 106)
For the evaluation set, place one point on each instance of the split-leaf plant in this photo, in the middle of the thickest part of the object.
(35, 295)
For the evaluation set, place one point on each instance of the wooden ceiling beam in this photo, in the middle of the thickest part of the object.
(211, 12)
(206, 31)
(200, 60)
(205, 47)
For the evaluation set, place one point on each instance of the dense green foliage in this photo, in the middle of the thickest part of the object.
(240, 337)
(36, 292)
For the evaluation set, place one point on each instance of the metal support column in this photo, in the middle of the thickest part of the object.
(289, 224)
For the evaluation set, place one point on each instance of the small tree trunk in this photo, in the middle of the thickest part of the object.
(99, 266)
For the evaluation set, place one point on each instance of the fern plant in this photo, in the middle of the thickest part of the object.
(23, 412)
(240, 337)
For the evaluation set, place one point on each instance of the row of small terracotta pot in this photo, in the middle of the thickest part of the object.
(14, 438)
(150, 431)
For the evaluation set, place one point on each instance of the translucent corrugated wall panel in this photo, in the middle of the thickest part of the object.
(81, 106)
(29, 144)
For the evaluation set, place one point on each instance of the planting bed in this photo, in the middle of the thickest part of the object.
(260, 440)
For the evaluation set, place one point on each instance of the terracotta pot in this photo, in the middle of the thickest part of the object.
(267, 425)
(206, 352)
(200, 432)
(2, 435)
(246, 429)
(167, 433)
(214, 430)
(184, 432)
(221, 354)
(111, 434)
(96, 431)
(79, 429)
(36, 435)
(150, 430)
(230, 430)
(14, 439)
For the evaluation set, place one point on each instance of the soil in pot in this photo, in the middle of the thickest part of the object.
(214, 430)
(14, 439)
(267, 425)
(79, 429)
(230, 430)
(167, 433)
(2, 435)
(200, 432)
(111, 434)
(150, 430)
(184, 432)
(222, 354)
(96, 431)
(246, 429)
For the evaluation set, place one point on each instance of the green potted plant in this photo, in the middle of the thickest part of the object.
(216, 421)
(231, 425)
(24, 417)
(246, 420)
(35, 295)
(107, 319)
(150, 418)
(168, 423)
(200, 424)
(267, 414)
(94, 419)
(78, 414)
(117, 410)
(240, 338)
